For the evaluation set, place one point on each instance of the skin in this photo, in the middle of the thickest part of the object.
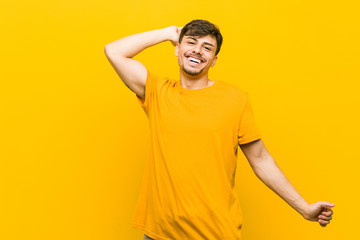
(193, 75)
(120, 54)
(266, 169)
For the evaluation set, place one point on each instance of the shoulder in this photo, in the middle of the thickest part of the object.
(158, 79)
(234, 90)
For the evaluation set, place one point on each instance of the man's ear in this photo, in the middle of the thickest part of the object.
(213, 61)
(177, 49)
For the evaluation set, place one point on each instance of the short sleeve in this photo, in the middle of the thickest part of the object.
(248, 130)
(150, 88)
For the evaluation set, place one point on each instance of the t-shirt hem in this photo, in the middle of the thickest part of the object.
(250, 139)
(150, 234)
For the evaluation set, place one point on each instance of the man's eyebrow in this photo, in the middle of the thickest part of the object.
(191, 37)
(209, 44)
(194, 38)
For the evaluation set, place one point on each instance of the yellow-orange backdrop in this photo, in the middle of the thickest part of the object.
(74, 138)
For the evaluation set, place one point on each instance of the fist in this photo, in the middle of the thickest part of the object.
(320, 212)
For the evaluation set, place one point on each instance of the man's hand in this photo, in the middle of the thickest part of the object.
(174, 34)
(320, 212)
(120, 54)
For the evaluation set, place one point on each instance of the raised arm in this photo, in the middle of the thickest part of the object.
(266, 169)
(120, 54)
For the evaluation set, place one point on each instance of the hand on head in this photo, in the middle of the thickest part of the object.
(175, 33)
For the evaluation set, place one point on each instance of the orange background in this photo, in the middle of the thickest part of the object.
(73, 138)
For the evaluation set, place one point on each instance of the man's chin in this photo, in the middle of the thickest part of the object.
(192, 73)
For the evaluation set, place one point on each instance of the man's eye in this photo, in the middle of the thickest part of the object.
(191, 42)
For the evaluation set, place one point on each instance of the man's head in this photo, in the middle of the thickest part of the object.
(199, 44)
(200, 28)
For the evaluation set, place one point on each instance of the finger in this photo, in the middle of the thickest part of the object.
(323, 222)
(327, 213)
(323, 225)
(327, 205)
(325, 217)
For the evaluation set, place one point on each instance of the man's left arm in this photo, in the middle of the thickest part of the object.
(266, 169)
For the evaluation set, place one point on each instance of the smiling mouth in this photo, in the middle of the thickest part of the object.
(195, 60)
(191, 59)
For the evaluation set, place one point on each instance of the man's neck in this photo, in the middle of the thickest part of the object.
(194, 82)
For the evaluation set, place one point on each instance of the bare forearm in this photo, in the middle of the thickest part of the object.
(131, 45)
(271, 175)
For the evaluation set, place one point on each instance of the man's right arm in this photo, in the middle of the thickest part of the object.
(120, 54)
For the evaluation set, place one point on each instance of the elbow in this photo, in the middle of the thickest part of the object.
(107, 49)
(114, 52)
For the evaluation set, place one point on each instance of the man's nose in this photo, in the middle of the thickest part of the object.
(197, 49)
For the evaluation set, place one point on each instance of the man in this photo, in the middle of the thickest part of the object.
(196, 125)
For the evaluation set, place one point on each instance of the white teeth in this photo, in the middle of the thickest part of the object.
(194, 60)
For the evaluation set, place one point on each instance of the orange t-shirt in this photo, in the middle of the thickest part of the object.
(188, 188)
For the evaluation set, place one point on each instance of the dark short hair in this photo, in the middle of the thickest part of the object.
(200, 28)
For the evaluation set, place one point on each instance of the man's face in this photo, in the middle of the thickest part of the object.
(196, 54)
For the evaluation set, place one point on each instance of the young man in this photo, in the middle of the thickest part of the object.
(196, 125)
